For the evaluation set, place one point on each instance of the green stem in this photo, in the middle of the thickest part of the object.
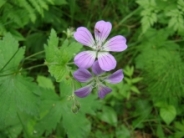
(128, 16)
(34, 55)
(9, 74)
(26, 58)
(36, 66)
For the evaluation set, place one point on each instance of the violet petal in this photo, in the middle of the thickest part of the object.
(96, 68)
(103, 91)
(116, 44)
(85, 59)
(84, 91)
(102, 30)
(116, 77)
(82, 75)
(83, 36)
(106, 61)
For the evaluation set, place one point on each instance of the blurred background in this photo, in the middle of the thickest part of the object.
(148, 103)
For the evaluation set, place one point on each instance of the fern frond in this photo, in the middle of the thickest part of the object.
(163, 67)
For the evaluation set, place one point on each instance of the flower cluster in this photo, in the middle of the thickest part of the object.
(99, 58)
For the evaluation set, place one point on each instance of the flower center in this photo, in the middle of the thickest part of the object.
(99, 46)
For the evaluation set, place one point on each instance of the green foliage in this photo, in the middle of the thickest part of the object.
(149, 13)
(10, 54)
(126, 87)
(16, 92)
(147, 103)
(163, 64)
(167, 112)
(17, 14)
(156, 11)
(45, 82)
(179, 127)
(82, 128)
(108, 115)
(57, 58)
(122, 131)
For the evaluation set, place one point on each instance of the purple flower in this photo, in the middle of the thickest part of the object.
(100, 46)
(96, 79)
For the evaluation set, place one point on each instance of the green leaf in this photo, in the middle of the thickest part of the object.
(160, 131)
(62, 110)
(123, 132)
(168, 113)
(50, 112)
(16, 94)
(57, 58)
(14, 130)
(179, 129)
(10, 54)
(148, 20)
(128, 80)
(129, 71)
(57, 109)
(136, 80)
(45, 82)
(176, 21)
(90, 104)
(76, 125)
(66, 88)
(108, 115)
(135, 89)
(149, 16)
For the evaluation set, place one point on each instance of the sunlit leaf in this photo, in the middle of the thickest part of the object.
(57, 58)
(108, 115)
(45, 82)
(168, 113)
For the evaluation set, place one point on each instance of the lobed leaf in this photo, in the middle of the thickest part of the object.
(17, 93)
(57, 58)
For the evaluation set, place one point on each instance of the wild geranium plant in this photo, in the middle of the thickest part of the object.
(105, 61)
(100, 46)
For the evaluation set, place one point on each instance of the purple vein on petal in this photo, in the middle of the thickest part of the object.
(116, 77)
(116, 44)
(106, 61)
(83, 36)
(82, 75)
(102, 30)
(85, 59)
(103, 91)
(84, 91)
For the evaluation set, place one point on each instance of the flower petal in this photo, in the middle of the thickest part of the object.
(85, 59)
(106, 61)
(82, 75)
(83, 36)
(116, 77)
(102, 30)
(116, 44)
(96, 68)
(103, 90)
(84, 91)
